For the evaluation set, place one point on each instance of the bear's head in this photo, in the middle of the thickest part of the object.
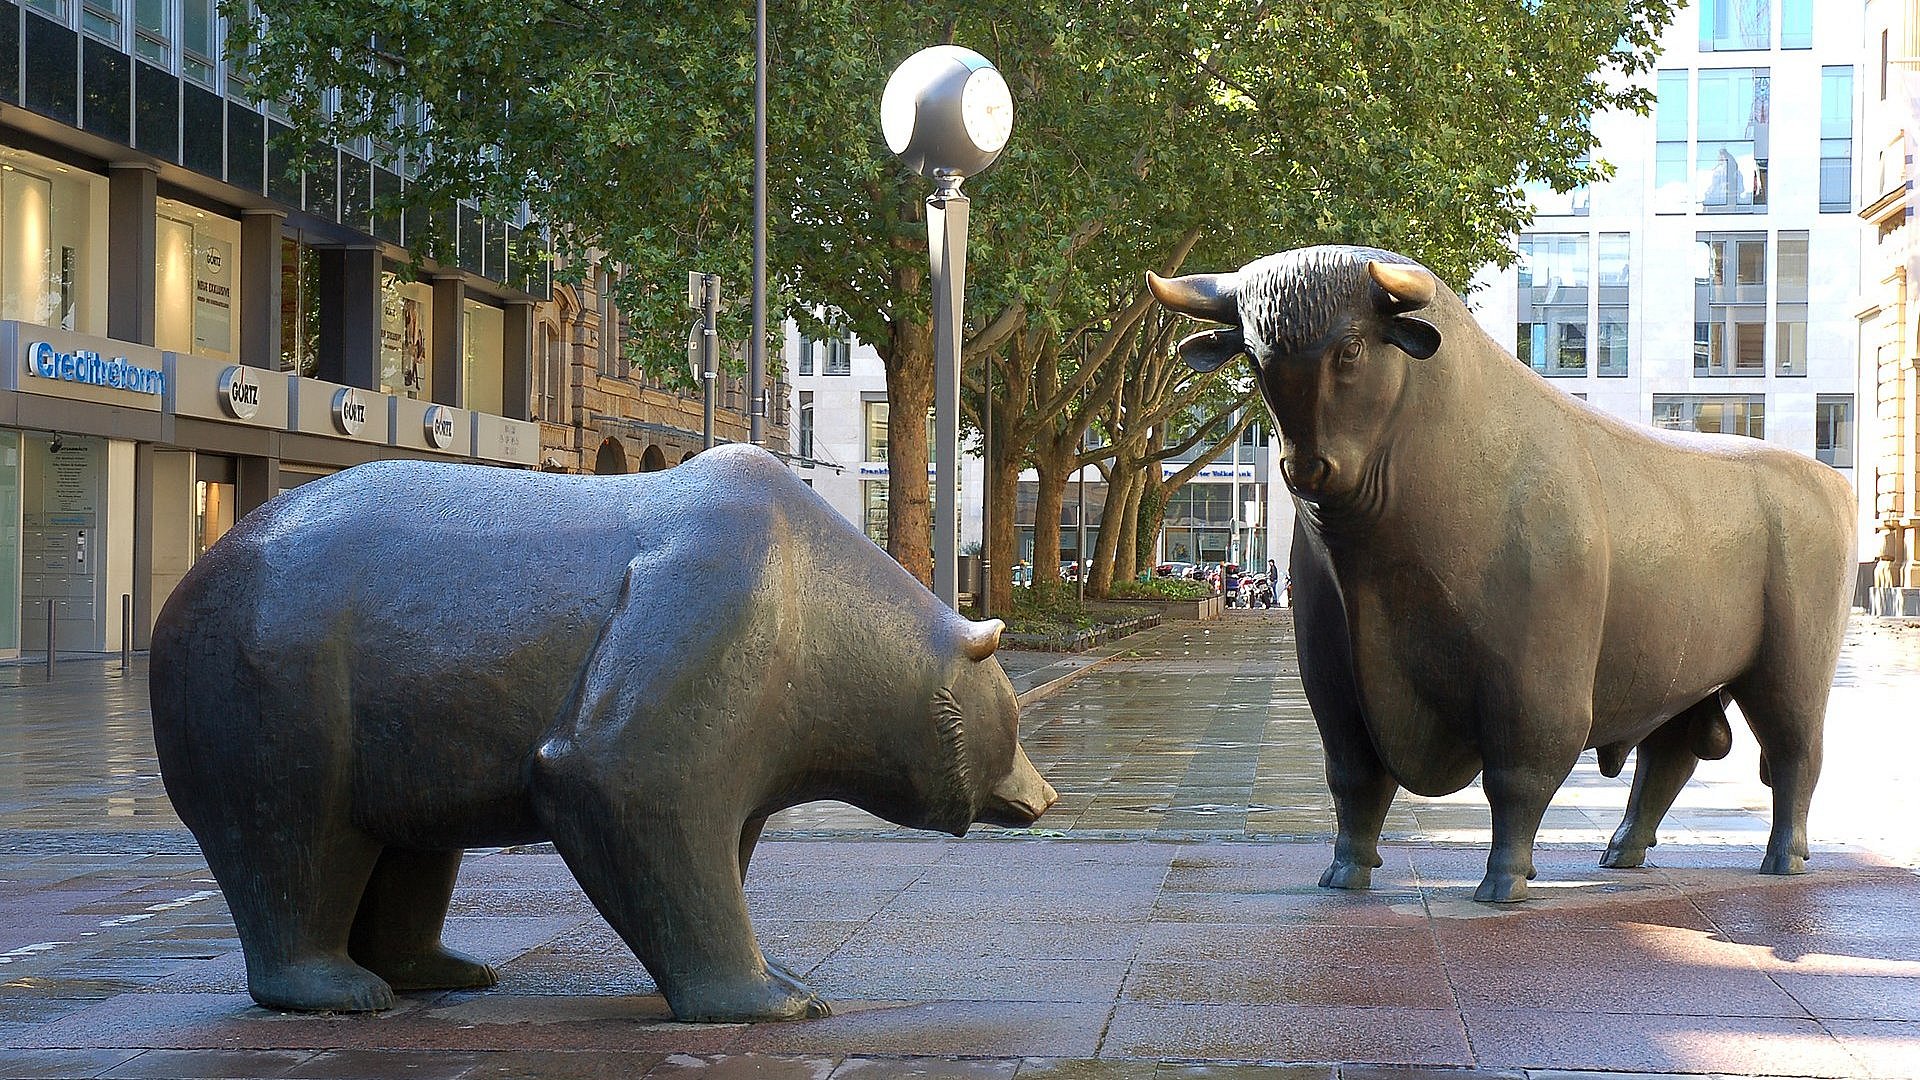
(983, 774)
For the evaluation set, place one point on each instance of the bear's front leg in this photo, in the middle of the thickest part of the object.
(663, 869)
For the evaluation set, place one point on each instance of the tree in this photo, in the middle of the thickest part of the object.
(626, 124)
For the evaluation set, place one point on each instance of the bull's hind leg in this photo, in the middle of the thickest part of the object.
(396, 932)
(1788, 718)
(1662, 765)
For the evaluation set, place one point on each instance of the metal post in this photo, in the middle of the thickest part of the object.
(709, 352)
(986, 492)
(1080, 545)
(50, 640)
(947, 249)
(757, 351)
(126, 631)
(1233, 507)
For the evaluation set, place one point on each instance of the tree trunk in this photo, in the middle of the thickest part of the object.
(909, 396)
(1112, 533)
(1054, 467)
(1126, 563)
(1151, 513)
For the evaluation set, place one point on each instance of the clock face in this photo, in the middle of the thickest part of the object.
(986, 107)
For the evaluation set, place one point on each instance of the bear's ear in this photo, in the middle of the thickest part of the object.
(979, 639)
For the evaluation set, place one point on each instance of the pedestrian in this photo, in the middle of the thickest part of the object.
(1230, 581)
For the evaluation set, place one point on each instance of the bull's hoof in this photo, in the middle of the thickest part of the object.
(441, 969)
(1346, 875)
(321, 985)
(762, 999)
(1624, 858)
(1785, 864)
(1502, 889)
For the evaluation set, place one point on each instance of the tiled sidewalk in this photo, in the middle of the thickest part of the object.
(1161, 922)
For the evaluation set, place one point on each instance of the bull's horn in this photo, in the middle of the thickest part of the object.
(979, 639)
(1411, 287)
(1214, 297)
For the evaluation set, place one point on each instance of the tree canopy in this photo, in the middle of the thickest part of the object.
(1225, 128)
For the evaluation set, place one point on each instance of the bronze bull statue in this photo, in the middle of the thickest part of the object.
(1491, 576)
(382, 668)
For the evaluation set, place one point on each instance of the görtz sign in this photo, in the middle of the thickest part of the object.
(90, 368)
(240, 393)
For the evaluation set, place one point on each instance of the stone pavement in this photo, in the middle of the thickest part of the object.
(1161, 922)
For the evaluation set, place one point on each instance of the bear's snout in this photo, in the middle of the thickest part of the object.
(1020, 798)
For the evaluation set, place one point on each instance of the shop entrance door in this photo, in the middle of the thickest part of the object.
(9, 544)
(62, 513)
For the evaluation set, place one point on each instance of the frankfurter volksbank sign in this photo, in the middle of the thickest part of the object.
(89, 368)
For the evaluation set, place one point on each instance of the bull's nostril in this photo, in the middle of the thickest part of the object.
(1306, 474)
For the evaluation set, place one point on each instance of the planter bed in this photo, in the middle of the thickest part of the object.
(1082, 640)
(1181, 610)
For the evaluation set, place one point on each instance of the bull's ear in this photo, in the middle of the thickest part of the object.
(1211, 348)
(1417, 338)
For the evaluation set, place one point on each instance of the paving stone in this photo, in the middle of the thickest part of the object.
(1628, 1042)
(1288, 1033)
(212, 1063)
(59, 1064)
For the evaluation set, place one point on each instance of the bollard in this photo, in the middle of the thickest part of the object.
(126, 631)
(50, 640)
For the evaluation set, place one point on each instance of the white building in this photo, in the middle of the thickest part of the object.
(1712, 284)
(839, 404)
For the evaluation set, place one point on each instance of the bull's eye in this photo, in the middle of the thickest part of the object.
(1350, 351)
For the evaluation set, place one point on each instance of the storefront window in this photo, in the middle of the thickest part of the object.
(53, 225)
(299, 308)
(195, 287)
(9, 543)
(484, 342)
(406, 325)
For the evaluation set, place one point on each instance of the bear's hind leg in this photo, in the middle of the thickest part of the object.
(750, 838)
(293, 900)
(396, 932)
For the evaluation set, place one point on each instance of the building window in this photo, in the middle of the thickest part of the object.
(53, 244)
(553, 374)
(153, 31)
(406, 328)
(839, 355)
(1734, 25)
(1670, 173)
(483, 370)
(1552, 332)
(1790, 304)
(610, 358)
(1833, 429)
(1726, 414)
(102, 19)
(199, 47)
(195, 288)
(300, 308)
(874, 431)
(1836, 140)
(806, 425)
(805, 359)
(1611, 357)
(1796, 24)
(873, 501)
(1730, 304)
(1730, 158)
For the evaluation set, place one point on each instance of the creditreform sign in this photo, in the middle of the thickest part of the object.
(89, 368)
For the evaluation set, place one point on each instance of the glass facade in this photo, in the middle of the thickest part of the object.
(1836, 140)
(9, 543)
(873, 503)
(1790, 304)
(53, 244)
(1611, 349)
(1671, 194)
(1726, 414)
(1730, 156)
(1833, 429)
(484, 342)
(873, 429)
(1552, 332)
(1733, 25)
(196, 289)
(1730, 304)
(299, 308)
(406, 328)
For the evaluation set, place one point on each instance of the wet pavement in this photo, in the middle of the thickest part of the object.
(1162, 921)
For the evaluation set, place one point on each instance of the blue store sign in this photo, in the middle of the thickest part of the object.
(91, 369)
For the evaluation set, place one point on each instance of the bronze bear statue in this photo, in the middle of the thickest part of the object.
(377, 670)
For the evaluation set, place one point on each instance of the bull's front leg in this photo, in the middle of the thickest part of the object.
(1527, 759)
(1362, 787)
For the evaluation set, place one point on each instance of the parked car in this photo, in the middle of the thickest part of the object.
(1173, 570)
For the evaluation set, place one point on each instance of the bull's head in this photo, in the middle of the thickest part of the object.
(1329, 330)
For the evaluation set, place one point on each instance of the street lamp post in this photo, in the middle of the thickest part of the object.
(703, 295)
(947, 113)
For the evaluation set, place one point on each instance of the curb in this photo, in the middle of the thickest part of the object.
(1093, 659)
